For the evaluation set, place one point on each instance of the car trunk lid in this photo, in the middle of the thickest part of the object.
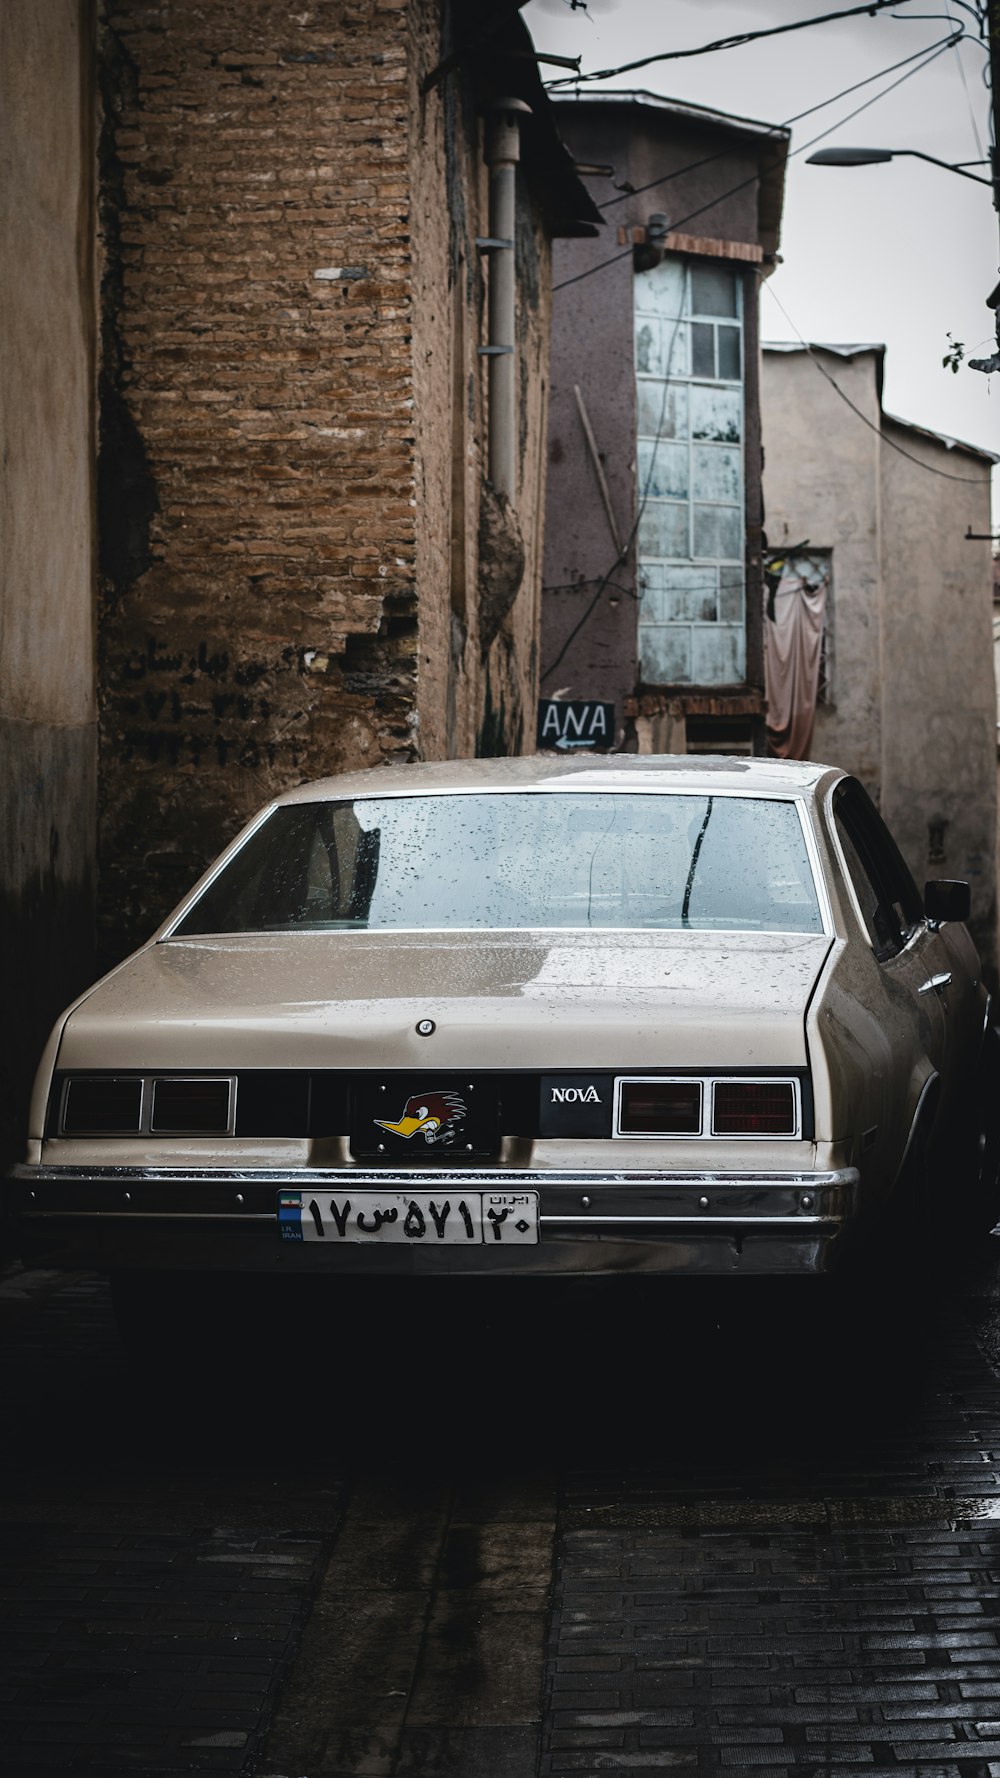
(570, 999)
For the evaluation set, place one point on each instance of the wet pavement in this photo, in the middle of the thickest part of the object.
(512, 1529)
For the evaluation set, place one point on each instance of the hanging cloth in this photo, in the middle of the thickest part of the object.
(793, 641)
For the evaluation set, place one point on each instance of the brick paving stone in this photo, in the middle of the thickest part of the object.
(835, 1610)
(145, 1627)
(834, 1682)
(101, 1703)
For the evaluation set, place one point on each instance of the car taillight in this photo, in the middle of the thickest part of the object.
(753, 1108)
(191, 1106)
(128, 1105)
(102, 1104)
(659, 1108)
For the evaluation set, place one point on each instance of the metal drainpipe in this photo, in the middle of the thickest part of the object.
(503, 151)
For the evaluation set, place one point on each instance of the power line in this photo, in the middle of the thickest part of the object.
(576, 586)
(968, 95)
(775, 129)
(676, 55)
(923, 59)
(720, 198)
(605, 579)
(971, 481)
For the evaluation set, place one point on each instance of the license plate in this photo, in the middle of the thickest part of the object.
(428, 1219)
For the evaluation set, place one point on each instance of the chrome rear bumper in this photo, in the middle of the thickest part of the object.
(590, 1220)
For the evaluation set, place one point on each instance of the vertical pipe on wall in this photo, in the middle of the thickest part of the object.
(503, 151)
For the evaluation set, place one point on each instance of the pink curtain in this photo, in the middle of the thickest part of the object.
(792, 646)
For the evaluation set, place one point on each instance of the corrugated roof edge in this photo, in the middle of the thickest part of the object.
(771, 171)
(855, 350)
(503, 61)
(851, 349)
(706, 114)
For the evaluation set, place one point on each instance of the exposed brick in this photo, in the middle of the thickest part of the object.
(264, 430)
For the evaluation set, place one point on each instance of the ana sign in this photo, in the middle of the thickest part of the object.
(575, 722)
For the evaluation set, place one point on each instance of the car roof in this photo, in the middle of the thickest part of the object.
(617, 771)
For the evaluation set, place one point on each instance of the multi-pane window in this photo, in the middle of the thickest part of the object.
(689, 376)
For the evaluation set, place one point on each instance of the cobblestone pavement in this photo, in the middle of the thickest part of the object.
(155, 1571)
(799, 1571)
(623, 1528)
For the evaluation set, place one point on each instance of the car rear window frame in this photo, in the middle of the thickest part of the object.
(801, 802)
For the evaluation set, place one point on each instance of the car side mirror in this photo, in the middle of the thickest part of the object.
(946, 898)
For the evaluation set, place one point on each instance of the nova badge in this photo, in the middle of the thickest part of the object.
(436, 1116)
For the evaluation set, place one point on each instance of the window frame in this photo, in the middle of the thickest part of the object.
(661, 576)
(170, 932)
(885, 869)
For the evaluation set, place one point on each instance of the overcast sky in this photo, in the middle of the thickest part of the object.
(903, 253)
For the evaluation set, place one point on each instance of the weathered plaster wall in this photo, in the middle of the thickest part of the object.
(47, 711)
(478, 660)
(432, 159)
(592, 349)
(512, 661)
(479, 640)
(592, 346)
(939, 692)
(258, 551)
(914, 702)
(821, 483)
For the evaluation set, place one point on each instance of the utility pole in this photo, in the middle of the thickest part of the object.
(993, 27)
(993, 300)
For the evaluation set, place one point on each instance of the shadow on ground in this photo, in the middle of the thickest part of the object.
(747, 1385)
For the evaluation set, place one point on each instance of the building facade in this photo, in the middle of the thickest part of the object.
(653, 553)
(48, 707)
(872, 514)
(270, 278)
(305, 563)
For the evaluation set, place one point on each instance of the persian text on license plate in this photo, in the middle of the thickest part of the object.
(453, 1219)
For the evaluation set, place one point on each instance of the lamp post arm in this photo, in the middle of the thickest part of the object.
(949, 166)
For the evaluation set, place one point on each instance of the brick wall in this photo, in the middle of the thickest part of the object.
(258, 610)
(282, 465)
(292, 422)
(477, 668)
(48, 729)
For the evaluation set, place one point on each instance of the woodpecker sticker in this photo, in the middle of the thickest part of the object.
(436, 1117)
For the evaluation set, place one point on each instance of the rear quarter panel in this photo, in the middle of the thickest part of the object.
(867, 1071)
(867, 1040)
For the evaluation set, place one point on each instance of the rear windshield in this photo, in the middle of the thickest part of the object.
(517, 860)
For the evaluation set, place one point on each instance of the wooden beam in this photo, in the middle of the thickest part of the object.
(699, 246)
(602, 480)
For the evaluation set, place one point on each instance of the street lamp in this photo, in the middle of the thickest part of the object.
(867, 157)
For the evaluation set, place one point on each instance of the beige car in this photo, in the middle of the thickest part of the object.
(618, 1015)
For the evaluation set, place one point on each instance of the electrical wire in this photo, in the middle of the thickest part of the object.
(971, 481)
(968, 95)
(923, 59)
(605, 579)
(615, 259)
(776, 129)
(548, 671)
(736, 42)
(576, 586)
